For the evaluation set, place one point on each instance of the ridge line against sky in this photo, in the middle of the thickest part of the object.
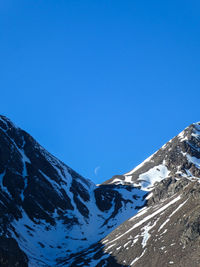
(100, 84)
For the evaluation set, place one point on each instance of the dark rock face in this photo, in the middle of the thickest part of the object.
(167, 188)
(48, 209)
(10, 254)
(105, 195)
(24, 167)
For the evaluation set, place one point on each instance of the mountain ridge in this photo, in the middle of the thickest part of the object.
(52, 216)
(41, 196)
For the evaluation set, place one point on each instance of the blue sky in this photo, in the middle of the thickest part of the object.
(100, 83)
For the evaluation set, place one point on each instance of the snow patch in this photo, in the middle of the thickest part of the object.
(156, 174)
(146, 218)
(146, 234)
(193, 160)
(182, 136)
(140, 165)
(4, 188)
(172, 215)
(128, 179)
(136, 259)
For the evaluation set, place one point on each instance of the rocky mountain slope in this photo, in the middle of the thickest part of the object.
(52, 216)
(166, 232)
(48, 211)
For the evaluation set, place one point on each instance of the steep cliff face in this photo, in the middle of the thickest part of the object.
(48, 210)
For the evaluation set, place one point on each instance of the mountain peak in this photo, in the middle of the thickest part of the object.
(52, 216)
(180, 157)
(6, 123)
(46, 206)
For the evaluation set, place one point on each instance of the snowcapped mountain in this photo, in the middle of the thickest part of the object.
(48, 211)
(166, 232)
(180, 157)
(52, 216)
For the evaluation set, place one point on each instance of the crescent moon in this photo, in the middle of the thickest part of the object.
(96, 170)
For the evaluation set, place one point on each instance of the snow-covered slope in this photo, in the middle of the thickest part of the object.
(48, 209)
(52, 216)
(166, 232)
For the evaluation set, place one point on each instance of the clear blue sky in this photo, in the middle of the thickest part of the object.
(100, 83)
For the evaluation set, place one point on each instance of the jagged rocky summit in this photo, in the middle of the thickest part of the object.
(52, 216)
